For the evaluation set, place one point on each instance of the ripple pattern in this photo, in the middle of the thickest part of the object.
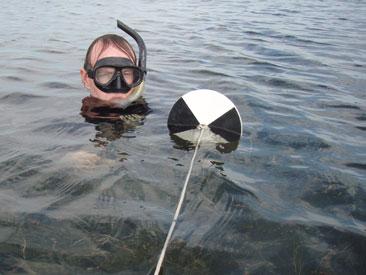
(79, 197)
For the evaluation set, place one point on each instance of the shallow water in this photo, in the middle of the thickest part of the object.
(77, 197)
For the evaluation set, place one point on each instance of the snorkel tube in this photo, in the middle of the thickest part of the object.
(140, 42)
(137, 91)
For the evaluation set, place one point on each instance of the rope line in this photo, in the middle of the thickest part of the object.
(180, 203)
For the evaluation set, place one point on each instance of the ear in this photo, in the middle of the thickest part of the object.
(84, 78)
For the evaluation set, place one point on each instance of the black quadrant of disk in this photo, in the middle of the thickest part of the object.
(209, 108)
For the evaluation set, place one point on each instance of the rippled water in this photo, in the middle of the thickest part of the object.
(77, 197)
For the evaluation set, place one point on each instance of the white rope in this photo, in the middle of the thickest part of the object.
(177, 211)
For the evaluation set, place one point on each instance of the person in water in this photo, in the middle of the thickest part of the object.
(114, 77)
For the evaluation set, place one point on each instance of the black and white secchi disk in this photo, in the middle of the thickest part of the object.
(205, 108)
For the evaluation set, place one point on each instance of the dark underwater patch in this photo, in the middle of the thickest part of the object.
(56, 85)
(344, 106)
(299, 141)
(356, 165)
(18, 98)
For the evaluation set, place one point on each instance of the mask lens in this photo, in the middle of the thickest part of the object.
(131, 75)
(104, 75)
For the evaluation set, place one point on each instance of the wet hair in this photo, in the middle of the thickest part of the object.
(109, 40)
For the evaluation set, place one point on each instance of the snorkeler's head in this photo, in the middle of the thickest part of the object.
(111, 71)
(100, 44)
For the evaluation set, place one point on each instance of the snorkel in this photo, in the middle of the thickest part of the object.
(141, 63)
(140, 43)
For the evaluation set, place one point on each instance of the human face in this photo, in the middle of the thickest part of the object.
(110, 51)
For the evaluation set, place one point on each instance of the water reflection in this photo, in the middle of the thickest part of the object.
(188, 143)
(111, 121)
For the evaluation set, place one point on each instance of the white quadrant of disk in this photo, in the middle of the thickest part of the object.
(215, 105)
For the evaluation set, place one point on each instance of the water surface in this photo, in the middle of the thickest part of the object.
(89, 198)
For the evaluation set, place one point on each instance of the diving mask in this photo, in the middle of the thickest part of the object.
(117, 74)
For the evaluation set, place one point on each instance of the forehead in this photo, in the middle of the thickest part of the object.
(109, 51)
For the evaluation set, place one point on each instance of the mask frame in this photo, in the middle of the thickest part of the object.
(117, 82)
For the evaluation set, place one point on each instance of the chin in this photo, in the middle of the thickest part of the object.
(121, 103)
(119, 96)
(111, 97)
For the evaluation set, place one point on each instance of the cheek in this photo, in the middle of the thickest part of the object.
(95, 92)
(91, 87)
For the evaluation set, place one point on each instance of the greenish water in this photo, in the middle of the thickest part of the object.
(94, 198)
